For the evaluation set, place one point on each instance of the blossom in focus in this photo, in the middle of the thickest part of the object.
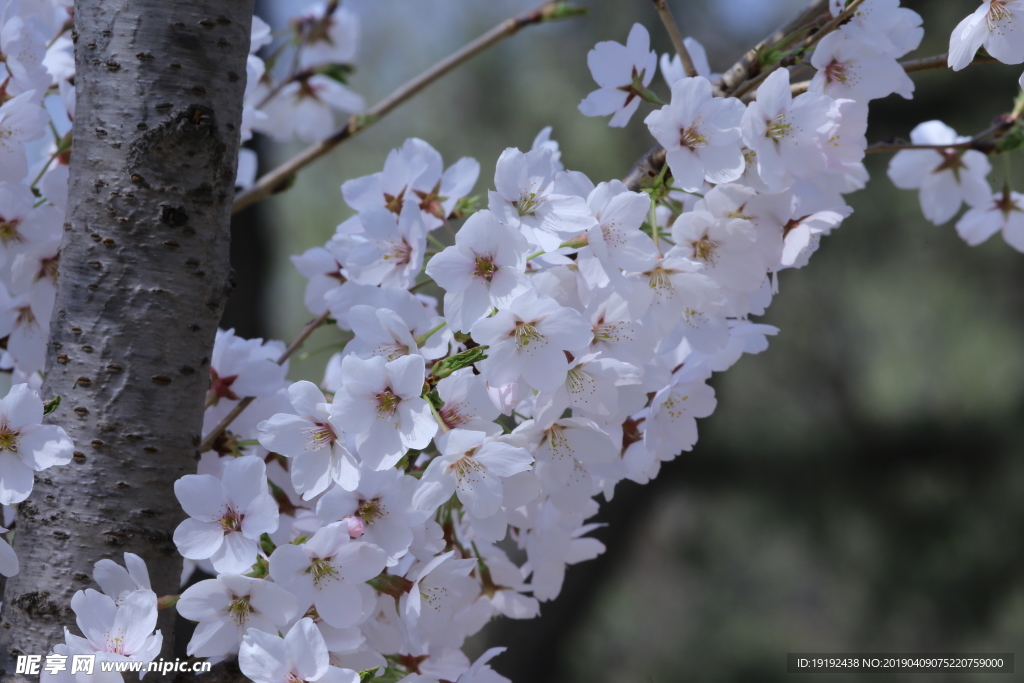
(998, 26)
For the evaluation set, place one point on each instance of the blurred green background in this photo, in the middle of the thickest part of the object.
(861, 486)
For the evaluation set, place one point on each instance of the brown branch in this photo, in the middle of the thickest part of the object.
(811, 41)
(979, 142)
(748, 64)
(281, 178)
(677, 39)
(212, 437)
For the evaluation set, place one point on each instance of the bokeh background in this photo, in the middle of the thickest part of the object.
(860, 487)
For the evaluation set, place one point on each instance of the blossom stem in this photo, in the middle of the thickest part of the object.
(677, 39)
(217, 431)
(422, 339)
(281, 177)
(437, 415)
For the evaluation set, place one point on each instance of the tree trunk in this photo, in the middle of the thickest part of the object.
(144, 274)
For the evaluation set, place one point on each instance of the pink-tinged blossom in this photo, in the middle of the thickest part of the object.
(525, 198)
(115, 633)
(945, 177)
(329, 572)
(228, 606)
(787, 133)
(569, 451)
(244, 367)
(380, 510)
(618, 69)
(671, 424)
(529, 340)
(326, 39)
(414, 174)
(21, 120)
(1005, 211)
(466, 402)
(305, 109)
(24, 49)
(119, 582)
(442, 587)
(472, 466)
(700, 133)
(485, 268)
(998, 26)
(322, 266)
(590, 388)
(727, 247)
(313, 439)
(849, 69)
(226, 516)
(380, 404)
(617, 239)
(300, 656)
(390, 251)
(26, 445)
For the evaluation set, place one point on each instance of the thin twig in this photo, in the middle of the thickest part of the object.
(677, 39)
(980, 141)
(280, 178)
(212, 437)
(741, 70)
(810, 42)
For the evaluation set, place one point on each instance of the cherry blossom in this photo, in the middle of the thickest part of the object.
(945, 178)
(300, 656)
(26, 446)
(996, 26)
(226, 516)
(700, 133)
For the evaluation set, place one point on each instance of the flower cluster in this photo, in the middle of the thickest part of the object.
(445, 470)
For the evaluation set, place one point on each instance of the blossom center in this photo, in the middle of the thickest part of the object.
(485, 268)
(997, 12)
(239, 610)
(8, 437)
(691, 137)
(320, 435)
(705, 250)
(231, 521)
(525, 333)
(778, 128)
(836, 72)
(370, 510)
(9, 231)
(387, 403)
(398, 251)
(528, 203)
(322, 570)
(220, 387)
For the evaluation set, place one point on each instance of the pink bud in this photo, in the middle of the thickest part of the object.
(355, 527)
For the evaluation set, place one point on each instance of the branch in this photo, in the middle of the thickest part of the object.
(979, 142)
(748, 64)
(280, 178)
(813, 40)
(677, 39)
(212, 437)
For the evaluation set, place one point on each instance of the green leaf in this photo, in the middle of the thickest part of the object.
(51, 405)
(446, 367)
(1011, 141)
(337, 72)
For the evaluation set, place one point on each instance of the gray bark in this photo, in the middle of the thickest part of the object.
(144, 274)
